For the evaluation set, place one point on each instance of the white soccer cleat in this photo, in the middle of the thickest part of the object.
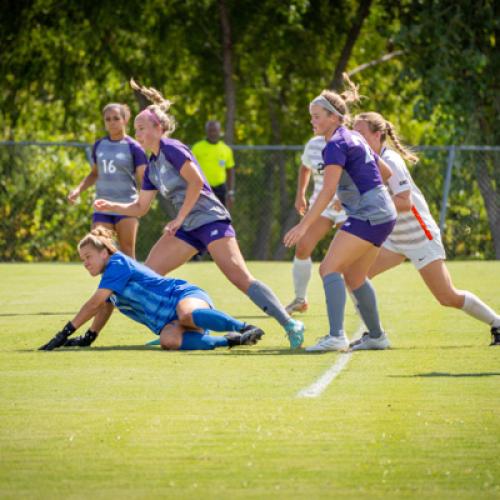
(330, 343)
(297, 305)
(367, 343)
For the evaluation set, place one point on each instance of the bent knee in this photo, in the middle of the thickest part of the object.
(450, 300)
(169, 345)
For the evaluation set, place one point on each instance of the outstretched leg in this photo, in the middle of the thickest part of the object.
(227, 255)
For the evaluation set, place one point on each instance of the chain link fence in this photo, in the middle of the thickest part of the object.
(461, 184)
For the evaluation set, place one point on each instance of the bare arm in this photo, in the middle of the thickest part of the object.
(385, 170)
(91, 307)
(101, 317)
(88, 181)
(139, 174)
(137, 208)
(190, 173)
(330, 183)
(403, 201)
(302, 183)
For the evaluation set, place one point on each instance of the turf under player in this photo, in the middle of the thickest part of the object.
(118, 167)
(202, 222)
(416, 235)
(312, 162)
(356, 174)
(179, 312)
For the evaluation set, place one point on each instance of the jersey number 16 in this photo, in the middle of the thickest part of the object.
(108, 166)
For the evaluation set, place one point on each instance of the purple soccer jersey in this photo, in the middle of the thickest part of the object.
(361, 189)
(163, 174)
(116, 163)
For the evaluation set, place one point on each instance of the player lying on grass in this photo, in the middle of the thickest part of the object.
(179, 312)
(416, 235)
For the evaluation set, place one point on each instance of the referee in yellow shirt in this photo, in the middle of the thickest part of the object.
(217, 162)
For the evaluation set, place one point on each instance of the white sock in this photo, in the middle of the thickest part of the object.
(476, 308)
(302, 270)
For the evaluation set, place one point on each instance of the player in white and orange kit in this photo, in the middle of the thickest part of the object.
(416, 235)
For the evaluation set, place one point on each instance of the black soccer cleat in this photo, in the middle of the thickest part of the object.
(495, 335)
(249, 335)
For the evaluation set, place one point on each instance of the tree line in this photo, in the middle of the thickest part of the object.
(429, 66)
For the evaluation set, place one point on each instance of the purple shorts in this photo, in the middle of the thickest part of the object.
(107, 218)
(202, 236)
(374, 233)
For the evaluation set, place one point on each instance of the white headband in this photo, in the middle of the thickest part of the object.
(325, 103)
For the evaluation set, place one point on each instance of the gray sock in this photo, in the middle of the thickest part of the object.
(263, 297)
(334, 286)
(367, 306)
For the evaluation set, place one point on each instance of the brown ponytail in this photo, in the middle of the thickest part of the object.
(377, 123)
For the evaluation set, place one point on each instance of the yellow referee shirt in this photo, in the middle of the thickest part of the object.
(214, 159)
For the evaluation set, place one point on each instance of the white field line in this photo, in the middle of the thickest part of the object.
(315, 389)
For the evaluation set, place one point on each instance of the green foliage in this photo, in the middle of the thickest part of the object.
(63, 61)
(37, 222)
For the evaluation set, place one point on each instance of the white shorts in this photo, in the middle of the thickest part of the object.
(423, 255)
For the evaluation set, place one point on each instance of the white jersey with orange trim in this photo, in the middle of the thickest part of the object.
(312, 158)
(413, 229)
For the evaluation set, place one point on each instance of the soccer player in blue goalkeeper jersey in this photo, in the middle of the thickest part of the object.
(177, 311)
(118, 165)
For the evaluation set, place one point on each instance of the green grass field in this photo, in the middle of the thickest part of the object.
(121, 420)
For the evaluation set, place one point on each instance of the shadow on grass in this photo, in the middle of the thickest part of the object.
(447, 374)
(72, 313)
(216, 352)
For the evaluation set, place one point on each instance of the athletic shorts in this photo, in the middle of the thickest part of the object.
(374, 233)
(423, 255)
(202, 236)
(196, 293)
(107, 218)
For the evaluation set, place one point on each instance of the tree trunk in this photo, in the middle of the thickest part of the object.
(352, 36)
(491, 201)
(227, 66)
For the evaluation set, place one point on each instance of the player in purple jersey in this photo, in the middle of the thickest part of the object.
(118, 167)
(202, 222)
(354, 172)
(177, 311)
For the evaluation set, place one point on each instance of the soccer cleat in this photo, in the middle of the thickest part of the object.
(358, 340)
(495, 335)
(367, 343)
(330, 343)
(297, 305)
(250, 335)
(295, 332)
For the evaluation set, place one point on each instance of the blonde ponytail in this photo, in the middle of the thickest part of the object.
(406, 153)
(341, 102)
(159, 108)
